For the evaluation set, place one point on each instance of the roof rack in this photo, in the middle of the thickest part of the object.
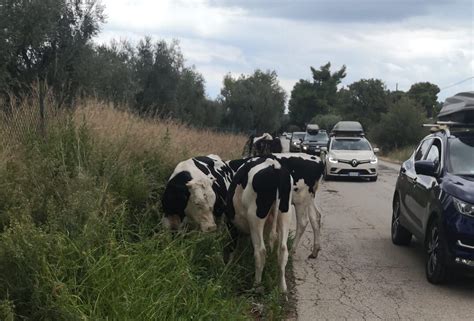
(446, 126)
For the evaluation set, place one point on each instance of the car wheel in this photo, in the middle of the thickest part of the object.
(436, 259)
(400, 235)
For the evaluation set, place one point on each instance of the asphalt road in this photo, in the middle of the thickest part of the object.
(359, 274)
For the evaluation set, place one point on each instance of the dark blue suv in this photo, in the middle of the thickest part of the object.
(434, 201)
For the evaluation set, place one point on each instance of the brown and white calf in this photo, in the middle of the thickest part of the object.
(259, 199)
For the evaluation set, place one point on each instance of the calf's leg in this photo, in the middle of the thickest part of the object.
(259, 251)
(315, 219)
(230, 247)
(301, 223)
(284, 220)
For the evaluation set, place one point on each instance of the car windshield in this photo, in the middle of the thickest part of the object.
(298, 135)
(350, 144)
(320, 137)
(461, 154)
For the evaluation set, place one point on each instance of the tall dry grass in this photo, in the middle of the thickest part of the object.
(112, 126)
(139, 135)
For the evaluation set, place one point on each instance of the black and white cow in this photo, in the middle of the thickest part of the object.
(262, 145)
(197, 190)
(259, 198)
(306, 171)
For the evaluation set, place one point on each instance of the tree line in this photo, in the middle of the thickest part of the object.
(48, 44)
(392, 119)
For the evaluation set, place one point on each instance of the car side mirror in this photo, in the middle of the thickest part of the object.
(426, 167)
(376, 150)
(324, 149)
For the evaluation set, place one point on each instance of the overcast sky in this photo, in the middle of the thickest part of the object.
(404, 41)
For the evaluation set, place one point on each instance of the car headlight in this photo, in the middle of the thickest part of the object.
(295, 143)
(463, 207)
(332, 160)
(374, 160)
(305, 147)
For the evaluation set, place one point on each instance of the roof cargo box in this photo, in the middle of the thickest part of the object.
(312, 129)
(348, 128)
(458, 109)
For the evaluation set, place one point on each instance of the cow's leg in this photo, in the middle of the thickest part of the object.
(273, 232)
(283, 231)
(301, 223)
(231, 246)
(315, 219)
(256, 233)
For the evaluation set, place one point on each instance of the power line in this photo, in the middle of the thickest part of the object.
(458, 83)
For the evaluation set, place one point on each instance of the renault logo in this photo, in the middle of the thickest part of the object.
(354, 163)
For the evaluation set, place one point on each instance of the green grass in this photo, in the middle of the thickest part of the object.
(80, 237)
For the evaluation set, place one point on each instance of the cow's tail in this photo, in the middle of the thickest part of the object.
(274, 231)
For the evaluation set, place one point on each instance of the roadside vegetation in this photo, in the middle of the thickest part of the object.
(399, 155)
(80, 223)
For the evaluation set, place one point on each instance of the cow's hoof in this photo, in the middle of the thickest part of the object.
(259, 289)
(314, 255)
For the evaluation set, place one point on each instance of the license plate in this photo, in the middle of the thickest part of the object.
(353, 174)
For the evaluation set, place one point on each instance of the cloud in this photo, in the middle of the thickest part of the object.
(399, 42)
(345, 11)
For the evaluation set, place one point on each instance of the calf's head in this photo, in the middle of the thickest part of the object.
(201, 203)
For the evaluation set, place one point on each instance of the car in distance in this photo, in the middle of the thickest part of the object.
(434, 194)
(349, 153)
(295, 141)
(313, 141)
(350, 157)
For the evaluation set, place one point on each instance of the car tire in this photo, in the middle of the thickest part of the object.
(400, 235)
(436, 266)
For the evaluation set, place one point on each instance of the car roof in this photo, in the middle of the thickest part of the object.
(302, 133)
(464, 133)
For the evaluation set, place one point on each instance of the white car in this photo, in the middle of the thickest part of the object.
(350, 157)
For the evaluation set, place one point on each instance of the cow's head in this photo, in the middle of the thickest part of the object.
(201, 203)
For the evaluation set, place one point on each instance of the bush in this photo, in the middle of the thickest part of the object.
(401, 126)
